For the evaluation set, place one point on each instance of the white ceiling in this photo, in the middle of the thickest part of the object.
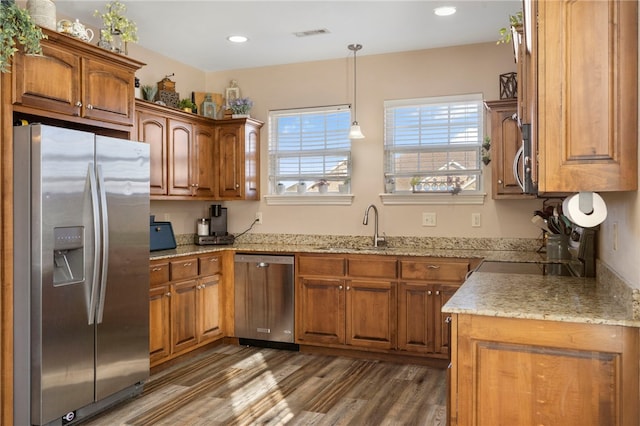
(194, 32)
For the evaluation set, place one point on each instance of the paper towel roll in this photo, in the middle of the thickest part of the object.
(571, 209)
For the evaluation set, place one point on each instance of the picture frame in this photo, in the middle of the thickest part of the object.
(209, 109)
(231, 94)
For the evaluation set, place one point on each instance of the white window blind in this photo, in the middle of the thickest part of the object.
(434, 144)
(309, 145)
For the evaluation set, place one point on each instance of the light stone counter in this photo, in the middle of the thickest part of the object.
(540, 297)
(500, 255)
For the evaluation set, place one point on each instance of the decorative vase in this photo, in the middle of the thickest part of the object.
(302, 188)
(323, 189)
(280, 188)
(43, 13)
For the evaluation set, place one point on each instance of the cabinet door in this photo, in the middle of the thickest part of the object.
(50, 81)
(209, 318)
(442, 338)
(180, 154)
(159, 325)
(320, 311)
(371, 314)
(184, 308)
(587, 95)
(203, 162)
(152, 129)
(107, 92)
(230, 166)
(506, 140)
(415, 317)
(563, 374)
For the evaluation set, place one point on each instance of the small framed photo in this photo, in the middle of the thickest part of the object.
(209, 109)
(231, 94)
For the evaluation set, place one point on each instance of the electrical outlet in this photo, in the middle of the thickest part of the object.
(475, 220)
(259, 218)
(615, 236)
(428, 219)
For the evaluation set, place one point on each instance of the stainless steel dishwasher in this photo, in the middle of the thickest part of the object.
(264, 297)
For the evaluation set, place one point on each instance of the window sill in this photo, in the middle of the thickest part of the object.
(309, 200)
(406, 199)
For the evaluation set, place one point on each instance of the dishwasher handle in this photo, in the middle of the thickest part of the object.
(262, 265)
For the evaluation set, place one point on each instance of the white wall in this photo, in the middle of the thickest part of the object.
(464, 69)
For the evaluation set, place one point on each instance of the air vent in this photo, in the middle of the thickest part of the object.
(311, 32)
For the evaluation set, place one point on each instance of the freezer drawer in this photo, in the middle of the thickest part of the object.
(264, 297)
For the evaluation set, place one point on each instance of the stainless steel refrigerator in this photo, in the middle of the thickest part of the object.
(81, 272)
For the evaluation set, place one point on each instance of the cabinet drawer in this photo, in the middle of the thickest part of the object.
(210, 265)
(321, 265)
(434, 270)
(186, 268)
(373, 267)
(158, 273)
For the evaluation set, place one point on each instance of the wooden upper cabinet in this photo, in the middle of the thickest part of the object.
(107, 92)
(203, 175)
(587, 63)
(238, 159)
(180, 154)
(50, 81)
(506, 140)
(75, 81)
(152, 129)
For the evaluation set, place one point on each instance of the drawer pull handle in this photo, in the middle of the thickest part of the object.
(433, 267)
(348, 288)
(340, 287)
(429, 293)
(156, 269)
(437, 292)
(447, 320)
(213, 259)
(168, 294)
(186, 264)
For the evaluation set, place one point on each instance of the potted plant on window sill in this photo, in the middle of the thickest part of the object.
(322, 185)
(16, 26)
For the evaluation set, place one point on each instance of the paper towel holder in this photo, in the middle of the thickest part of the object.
(585, 202)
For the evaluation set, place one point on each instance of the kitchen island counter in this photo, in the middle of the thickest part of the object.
(540, 297)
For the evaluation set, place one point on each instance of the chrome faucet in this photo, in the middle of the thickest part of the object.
(377, 240)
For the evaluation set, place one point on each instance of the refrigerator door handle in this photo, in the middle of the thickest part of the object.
(96, 244)
(105, 244)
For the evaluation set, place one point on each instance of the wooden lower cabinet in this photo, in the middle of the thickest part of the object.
(357, 301)
(426, 284)
(524, 372)
(346, 312)
(185, 309)
(422, 327)
(370, 314)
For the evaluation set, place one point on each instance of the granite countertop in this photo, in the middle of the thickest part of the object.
(499, 255)
(540, 297)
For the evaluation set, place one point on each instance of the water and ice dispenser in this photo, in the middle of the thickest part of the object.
(68, 255)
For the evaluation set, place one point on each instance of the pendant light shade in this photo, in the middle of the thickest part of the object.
(355, 132)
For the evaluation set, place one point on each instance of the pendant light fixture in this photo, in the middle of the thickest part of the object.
(355, 132)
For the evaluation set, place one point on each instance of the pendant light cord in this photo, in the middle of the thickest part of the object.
(355, 48)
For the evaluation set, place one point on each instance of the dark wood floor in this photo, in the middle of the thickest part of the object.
(237, 385)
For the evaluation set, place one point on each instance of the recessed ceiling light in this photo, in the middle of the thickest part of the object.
(444, 10)
(237, 38)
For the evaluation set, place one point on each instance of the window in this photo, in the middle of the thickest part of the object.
(309, 150)
(433, 145)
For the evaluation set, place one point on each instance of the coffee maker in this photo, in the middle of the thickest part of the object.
(218, 234)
